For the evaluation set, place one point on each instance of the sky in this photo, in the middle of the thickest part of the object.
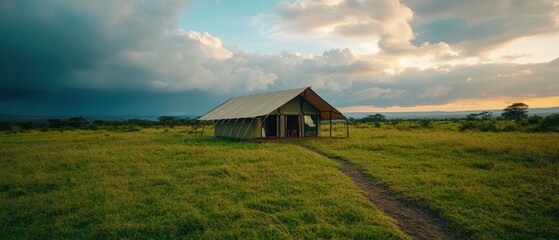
(177, 57)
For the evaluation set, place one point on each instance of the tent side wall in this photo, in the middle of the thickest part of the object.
(244, 128)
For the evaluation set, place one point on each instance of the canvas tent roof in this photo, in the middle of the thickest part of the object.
(251, 106)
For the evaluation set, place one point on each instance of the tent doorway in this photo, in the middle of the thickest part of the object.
(272, 126)
(292, 128)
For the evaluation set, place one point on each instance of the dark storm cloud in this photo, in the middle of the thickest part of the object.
(43, 41)
(46, 46)
(114, 47)
(113, 102)
(119, 57)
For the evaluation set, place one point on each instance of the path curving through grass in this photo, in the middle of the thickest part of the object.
(416, 221)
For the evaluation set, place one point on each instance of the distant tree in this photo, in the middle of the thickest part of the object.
(552, 119)
(551, 122)
(535, 119)
(377, 117)
(99, 122)
(27, 125)
(77, 122)
(471, 116)
(141, 122)
(167, 120)
(188, 121)
(55, 123)
(515, 111)
(485, 115)
(6, 126)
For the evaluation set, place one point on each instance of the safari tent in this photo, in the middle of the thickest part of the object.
(294, 113)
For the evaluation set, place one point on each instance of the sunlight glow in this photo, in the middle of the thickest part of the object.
(462, 105)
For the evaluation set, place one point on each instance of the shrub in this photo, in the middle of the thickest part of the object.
(402, 126)
(76, 122)
(129, 129)
(535, 119)
(425, 123)
(99, 122)
(55, 123)
(6, 126)
(550, 123)
(485, 126)
(27, 125)
(469, 125)
(552, 120)
(511, 127)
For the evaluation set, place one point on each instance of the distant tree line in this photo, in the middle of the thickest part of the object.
(513, 118)
(82, 123)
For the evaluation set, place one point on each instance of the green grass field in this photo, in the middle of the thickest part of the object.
(487, 185)
(166, 183)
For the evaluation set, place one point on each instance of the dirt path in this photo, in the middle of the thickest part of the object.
(416, 221)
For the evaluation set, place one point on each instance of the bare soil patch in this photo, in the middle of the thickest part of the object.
(418, 222)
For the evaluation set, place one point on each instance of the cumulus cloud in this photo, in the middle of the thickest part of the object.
(440, 28)
(340, 57)
(254, 78)
(477, 27)
(386, 20)
(382, 25)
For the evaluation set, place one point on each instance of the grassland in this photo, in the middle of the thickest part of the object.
(487, 185)
(164, 183)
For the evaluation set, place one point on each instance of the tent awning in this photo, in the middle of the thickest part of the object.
(251, 106)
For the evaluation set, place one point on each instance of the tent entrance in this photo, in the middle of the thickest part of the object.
(272, 126)
(292, 126)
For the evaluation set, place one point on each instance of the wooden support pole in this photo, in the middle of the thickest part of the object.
(347, 127)
(278, 122)
(330, 123)
(300, 130)
(202, 132)
(267, 127)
